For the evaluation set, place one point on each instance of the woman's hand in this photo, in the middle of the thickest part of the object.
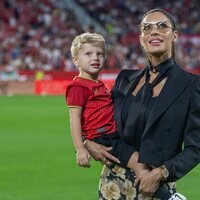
(100, 152)
(149, 182)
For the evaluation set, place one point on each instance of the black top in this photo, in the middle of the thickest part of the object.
(129, 106)
(137, 109)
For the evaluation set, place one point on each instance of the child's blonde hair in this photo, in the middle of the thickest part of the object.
(94, 38)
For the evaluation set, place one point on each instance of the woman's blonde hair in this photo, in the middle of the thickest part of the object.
(92, 38)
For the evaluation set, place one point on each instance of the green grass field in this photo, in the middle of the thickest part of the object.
(37, 159)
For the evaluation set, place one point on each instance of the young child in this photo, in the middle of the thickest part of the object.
(91, 105)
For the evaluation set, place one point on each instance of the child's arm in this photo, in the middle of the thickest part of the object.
(82, 154)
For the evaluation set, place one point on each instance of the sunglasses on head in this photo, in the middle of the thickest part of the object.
(161, 26)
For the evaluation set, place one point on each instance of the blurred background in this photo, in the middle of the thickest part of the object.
(36, 35)
(37, 159)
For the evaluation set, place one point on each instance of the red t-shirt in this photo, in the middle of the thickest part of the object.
(96, 101)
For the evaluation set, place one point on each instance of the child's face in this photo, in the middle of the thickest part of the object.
(90, 60)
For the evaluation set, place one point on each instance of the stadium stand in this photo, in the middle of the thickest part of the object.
(36, 34)
(121, 17)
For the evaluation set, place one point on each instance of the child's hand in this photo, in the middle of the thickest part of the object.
(83, 157)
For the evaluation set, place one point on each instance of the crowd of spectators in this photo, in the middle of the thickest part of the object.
(36, 35)
(121, 17)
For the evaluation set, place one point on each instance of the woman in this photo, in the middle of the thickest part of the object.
(157, 110)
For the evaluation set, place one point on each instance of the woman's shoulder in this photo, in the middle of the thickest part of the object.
(194, 77)
(181, 74)
(123, 79)
(197, 80)
(126, 73)
(193, 80)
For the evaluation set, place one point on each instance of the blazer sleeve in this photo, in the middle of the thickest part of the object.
(189, 157)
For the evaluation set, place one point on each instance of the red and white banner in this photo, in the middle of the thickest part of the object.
(57, 87)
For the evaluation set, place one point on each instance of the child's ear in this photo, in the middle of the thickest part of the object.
(75, 61)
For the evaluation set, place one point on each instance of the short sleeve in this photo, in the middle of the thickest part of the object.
(76, 96)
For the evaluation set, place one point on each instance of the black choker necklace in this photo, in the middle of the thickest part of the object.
(154, 70)
(159, 68)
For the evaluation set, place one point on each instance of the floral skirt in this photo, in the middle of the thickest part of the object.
(117, 183)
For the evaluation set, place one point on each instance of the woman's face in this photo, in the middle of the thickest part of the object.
(157, 35)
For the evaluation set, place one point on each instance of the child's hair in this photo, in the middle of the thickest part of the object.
(92, 38)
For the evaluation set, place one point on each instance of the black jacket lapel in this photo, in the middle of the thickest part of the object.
(123, 87)
(175, 85)
(133, 80)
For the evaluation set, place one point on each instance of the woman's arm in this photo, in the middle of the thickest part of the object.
(100, 152)
(186, 160)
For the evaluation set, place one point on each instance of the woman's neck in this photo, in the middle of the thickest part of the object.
(157, 60)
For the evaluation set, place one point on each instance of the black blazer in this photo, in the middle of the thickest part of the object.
(174, 120)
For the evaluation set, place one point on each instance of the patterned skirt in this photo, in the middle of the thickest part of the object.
(117, 183)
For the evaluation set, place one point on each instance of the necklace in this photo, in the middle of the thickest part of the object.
(154, 70)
